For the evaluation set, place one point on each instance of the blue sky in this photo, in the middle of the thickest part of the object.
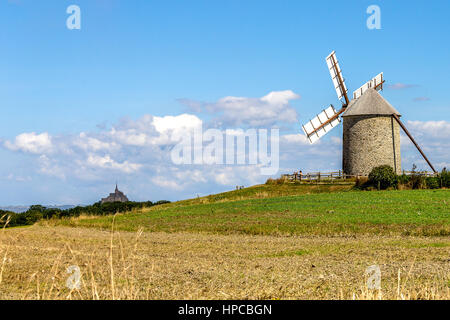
(136, 58)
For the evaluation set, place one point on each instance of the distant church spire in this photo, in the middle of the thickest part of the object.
(117, 196)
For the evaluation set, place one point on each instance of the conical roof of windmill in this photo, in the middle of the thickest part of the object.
(370, 103)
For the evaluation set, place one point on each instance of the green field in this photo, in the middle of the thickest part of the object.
(407, 212)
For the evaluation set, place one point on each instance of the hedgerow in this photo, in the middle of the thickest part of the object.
(37, 212)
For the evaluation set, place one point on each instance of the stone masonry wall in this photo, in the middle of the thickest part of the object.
(370, 141)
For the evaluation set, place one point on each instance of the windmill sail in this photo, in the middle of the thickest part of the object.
(338, 79)
(321, 124)
(376, 83)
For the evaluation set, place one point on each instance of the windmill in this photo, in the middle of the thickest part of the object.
(371, 135)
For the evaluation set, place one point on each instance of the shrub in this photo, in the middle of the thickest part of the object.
(38, 212)
(433, 182)
(403, 179)
(362, 183)
(383, 177)
(445, 178)
(158, 203)
(278, 181)
(416, 180)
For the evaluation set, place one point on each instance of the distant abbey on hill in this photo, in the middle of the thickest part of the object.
(117, 196)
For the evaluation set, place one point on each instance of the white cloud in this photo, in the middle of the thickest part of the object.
(88, 143)
(254, 112)
(225, 177)
(435, 129)
(150, 130)
(31, 142)
(170, 123)
(89, 155)
(18, 178)
(194, 175)
(170, 127)
(106, 162)
(280, 98)
(433, 138)
(400, 86)
(166, 183)
(130, 137)
(50, 167)
(296, 138)
(232, 176)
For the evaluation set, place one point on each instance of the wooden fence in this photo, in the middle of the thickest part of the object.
(339, 175)
(420, 173)
(317, 176)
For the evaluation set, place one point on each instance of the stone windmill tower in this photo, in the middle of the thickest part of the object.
(371, 135)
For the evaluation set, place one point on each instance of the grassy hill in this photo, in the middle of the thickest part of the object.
(271, 191)
(293, 210)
